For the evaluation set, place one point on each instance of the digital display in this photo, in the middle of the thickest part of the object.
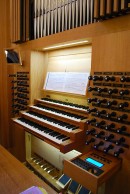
(94, 162)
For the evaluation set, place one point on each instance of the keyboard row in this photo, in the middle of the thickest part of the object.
(57, 112)
(65, 104)
(51, 121)
(41, 130)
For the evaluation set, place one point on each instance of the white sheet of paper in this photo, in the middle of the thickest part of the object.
(69, 82)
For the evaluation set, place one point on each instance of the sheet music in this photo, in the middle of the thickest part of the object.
(69, 82)
(76, 83)
(54, 81)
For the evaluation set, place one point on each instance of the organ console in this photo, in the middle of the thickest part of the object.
(68, 126)
(63, 129)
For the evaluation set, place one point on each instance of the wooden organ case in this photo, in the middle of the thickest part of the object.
(103, 134)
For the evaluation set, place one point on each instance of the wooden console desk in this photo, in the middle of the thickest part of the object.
(15, 177)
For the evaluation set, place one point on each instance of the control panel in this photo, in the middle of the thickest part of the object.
(109, 112)
(93, 168)
(19, 84)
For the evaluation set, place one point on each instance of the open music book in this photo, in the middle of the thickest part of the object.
(69, 82)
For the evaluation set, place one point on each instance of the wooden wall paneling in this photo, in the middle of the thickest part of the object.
(4, 43)
(38, 72)
(85, 32)
(111, 52)
(74, 59)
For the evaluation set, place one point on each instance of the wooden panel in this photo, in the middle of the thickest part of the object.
(38, 71)
(84, 32)
(116, 48)
(4, 42)
(15, 177)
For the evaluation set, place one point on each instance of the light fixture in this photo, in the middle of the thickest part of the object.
(66, 44)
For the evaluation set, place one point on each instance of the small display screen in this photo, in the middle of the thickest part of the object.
(94, 162)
